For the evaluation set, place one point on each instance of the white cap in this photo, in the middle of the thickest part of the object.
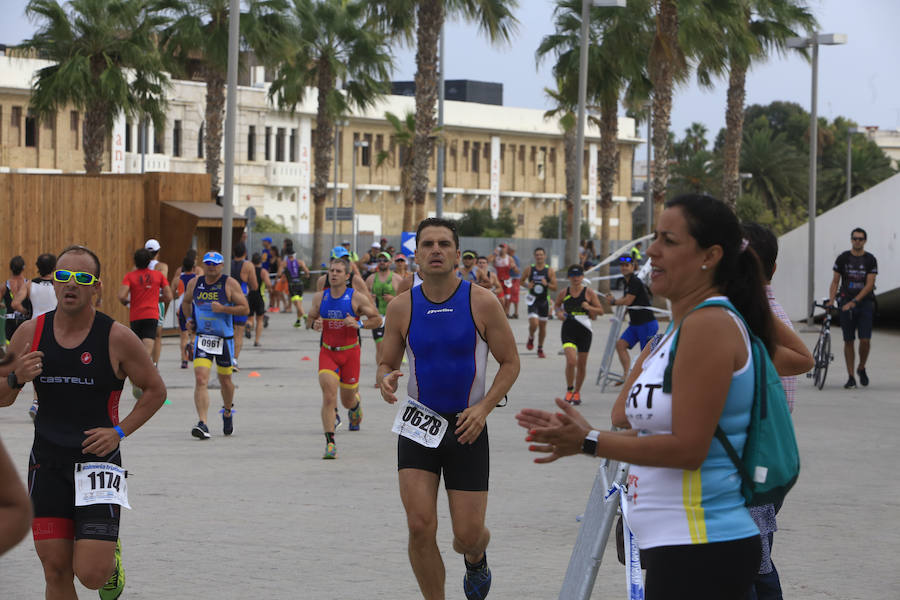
(152, 245)
(376, 245)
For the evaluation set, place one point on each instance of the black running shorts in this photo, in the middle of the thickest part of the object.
(51, 484)
(574, 334)
(257, 305)
(466, 467)
(145, 328)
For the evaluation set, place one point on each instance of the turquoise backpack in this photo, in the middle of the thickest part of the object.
(771, 461)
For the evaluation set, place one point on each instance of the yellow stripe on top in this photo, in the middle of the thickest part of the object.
(692, 495)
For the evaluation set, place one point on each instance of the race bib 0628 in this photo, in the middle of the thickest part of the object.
(100, 483)
(419, 423)
(210, 344)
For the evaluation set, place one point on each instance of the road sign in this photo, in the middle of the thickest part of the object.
(408, 243)
(344, 213)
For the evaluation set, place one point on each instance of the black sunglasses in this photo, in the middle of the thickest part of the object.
(858, 239)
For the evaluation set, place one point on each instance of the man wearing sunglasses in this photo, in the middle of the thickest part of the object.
(643, 325)
(78, 360)
(853, 286)
(216, 299)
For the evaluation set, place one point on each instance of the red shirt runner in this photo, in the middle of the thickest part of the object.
(145, 286)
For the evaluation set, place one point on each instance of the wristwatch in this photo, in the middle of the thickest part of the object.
(13, 382)
(589, 445)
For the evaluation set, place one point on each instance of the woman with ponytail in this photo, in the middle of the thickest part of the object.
(684, 503)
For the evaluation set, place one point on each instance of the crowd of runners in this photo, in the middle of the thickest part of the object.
(441, 311)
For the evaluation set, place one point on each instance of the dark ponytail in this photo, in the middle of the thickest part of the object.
(738, 275)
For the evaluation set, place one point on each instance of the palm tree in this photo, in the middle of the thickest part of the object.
(616, 66)
(869, 166)
(105, 63)
(404, 133)
(758, 29)
(777, 168)
(426, 18)
(328, 41)
(564, 98)
(195, 45)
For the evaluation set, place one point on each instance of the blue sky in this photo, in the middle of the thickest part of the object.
(858, 80)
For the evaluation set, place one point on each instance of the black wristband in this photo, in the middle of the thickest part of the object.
(589, 445)
(13, 382)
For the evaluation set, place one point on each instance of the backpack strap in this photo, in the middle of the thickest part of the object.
(667, 376)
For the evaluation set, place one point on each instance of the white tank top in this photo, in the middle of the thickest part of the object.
(43, 297)
(153, 263)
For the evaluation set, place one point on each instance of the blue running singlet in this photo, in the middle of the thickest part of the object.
(447, 355)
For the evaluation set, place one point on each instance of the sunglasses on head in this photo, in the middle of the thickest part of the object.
(858, 239)
(81, 278)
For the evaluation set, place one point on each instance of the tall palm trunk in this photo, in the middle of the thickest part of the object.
(215, 116)
(430, 19)
(572, 188)
(94, 138)
(606, 171)
(406, 185)
(663, 75)
(734, 132)
(323, 155)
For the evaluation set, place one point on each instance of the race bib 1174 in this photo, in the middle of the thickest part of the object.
(100, 483)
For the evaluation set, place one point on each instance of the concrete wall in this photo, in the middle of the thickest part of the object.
(876, 210)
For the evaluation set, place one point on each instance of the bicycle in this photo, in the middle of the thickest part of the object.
(822, 352)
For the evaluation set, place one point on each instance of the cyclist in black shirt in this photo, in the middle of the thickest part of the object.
(643, 324)
(853, 287)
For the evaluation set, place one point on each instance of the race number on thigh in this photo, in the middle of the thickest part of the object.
(100, 483)
(419, 423)
(210, 344)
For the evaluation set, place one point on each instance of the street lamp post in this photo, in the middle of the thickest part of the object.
(579, 127)
(850, 132)
(356, 144)
(814, 41)
(334, 202)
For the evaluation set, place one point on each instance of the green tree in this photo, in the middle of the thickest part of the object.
(757, 29)
(616, 65)
(105, 63)
(327, 41)
(869, 166)
(195, 46)
(423, 20)
(549, 227)
(264, 224)
(404, 132)
(478, 222)
(778, 170)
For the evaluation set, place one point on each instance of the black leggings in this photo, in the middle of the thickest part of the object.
(718, 571)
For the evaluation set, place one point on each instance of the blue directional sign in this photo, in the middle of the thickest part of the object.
(408, 243)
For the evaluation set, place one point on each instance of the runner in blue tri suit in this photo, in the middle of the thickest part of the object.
(447, 326)
(242, 270)
(216, 299)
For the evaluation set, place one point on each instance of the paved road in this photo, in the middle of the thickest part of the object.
(260, 515)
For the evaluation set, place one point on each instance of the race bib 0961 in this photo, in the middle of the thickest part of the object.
(210, 344)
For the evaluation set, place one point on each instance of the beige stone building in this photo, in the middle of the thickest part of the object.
(496, 156)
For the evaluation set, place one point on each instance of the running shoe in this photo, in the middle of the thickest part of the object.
(189, 349)
(355, 416)
(305, 319)
(32, 412)
(297, 323)
(200, 431)
(184, 364)
(337, 419)
(540, 353)
(530, 344)
(265, 321)
(569, 395)
(477, 581)
(234, 365)
(330, 451)
(851, 383)
(576, 398)
(227, 422)
(247, 332)
(116, 582)
(863, 377)
(256, 344)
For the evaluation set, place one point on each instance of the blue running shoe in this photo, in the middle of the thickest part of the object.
(477, 581)
(200, 431)
(227, 422)
(355, 415)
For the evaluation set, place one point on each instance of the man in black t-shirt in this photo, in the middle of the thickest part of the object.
(643, 324)
(853, 286)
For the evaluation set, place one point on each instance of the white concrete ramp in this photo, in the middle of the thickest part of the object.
(877, 210)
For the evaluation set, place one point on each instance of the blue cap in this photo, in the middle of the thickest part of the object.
(267, 239)
(339, 252)
(213, 258)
